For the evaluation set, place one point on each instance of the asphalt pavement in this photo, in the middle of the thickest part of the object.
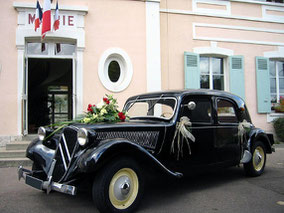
(227, 191)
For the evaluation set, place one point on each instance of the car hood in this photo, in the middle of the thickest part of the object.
(147, 124)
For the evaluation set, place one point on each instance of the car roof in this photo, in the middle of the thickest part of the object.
(181, 93)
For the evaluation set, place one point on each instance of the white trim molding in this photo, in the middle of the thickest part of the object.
(153, 51)
(196, 13)
(213, 50)
(267, 16)
(126, 69)
(226, 4)
(275, 54)
(24, 5)
(241, 28)
(258, 2)
(272, 116)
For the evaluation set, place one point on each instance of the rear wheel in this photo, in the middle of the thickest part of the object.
(118, 187)
(256, 166)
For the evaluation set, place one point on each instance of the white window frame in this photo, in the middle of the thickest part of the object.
(126, 69)
(274, 55)
(214, 51)
(211, 70)
(277, 80)
(51, 46)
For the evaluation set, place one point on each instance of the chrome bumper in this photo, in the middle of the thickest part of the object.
(48, 185)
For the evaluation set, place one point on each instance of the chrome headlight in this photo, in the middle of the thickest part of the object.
(41, 133)
(82, 136)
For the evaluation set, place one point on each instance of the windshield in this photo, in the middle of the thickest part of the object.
(163, 108)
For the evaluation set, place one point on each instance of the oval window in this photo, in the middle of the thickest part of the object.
(114, 71)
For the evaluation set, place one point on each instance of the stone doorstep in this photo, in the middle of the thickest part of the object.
(19, 145)
(14, 162)
(12, 139)
(12, 153)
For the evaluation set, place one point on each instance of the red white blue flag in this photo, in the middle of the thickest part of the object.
(56, 18)
(46, 18)
(38, 16)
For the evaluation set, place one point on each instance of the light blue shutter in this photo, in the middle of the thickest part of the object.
(237, 79)
(263, 85)
(191, 71)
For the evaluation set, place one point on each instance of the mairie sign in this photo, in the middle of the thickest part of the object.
(65, 19)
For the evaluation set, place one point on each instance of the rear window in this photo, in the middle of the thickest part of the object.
(226, 112)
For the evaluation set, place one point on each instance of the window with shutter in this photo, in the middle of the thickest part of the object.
(211, 73)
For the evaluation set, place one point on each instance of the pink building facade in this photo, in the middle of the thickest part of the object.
(128, 47)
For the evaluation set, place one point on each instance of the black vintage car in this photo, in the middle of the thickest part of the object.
(175, 133)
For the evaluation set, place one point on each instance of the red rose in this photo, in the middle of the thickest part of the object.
(106, 100)
(90, 108)
(121, 116)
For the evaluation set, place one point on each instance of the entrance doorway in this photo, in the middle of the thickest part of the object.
(49, 92)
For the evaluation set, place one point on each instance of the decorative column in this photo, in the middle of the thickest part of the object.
(153, 50)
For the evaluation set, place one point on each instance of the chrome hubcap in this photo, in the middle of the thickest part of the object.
(122, 188)
(257, 157)
(125, 188)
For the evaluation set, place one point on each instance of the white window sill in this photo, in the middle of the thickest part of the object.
(274, 115)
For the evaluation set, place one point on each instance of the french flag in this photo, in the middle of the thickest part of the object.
(46, 18)
(56, 18)
(38, 17)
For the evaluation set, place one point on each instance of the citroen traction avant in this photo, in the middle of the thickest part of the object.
(175, 132)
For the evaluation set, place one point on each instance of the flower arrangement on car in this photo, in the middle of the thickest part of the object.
(105, 111)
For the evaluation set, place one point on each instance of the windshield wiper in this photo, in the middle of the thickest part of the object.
(131, 104)
(150, 108)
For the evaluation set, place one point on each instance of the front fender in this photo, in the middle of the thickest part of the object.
(40, 154)
(94, 159)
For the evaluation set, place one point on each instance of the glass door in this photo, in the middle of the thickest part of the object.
(59, 104)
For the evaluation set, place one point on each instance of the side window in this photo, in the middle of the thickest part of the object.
(201, 113)
(226, 112)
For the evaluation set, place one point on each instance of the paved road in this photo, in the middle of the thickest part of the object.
(222, 192)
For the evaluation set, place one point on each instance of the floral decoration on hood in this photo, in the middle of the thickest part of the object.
(105, 111)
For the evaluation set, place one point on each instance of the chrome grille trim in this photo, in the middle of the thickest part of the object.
(62, 156)
(65, 145)
(147, 139)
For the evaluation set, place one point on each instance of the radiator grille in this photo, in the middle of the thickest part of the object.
(66, 147)
(143, 138)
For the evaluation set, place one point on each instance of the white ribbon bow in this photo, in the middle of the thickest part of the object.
(243, 128)
(183, 133)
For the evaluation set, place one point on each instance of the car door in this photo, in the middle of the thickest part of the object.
(202, 150)
(226, 141)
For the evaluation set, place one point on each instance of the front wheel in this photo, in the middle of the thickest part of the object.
(256, 166)
(118, 187)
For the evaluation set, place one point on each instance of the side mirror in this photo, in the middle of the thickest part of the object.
(191, 105)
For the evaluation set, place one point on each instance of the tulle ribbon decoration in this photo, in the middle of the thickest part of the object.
(243, 128)
(182, 134)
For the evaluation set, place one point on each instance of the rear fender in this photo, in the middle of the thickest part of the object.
(96, 158)
(260, 135)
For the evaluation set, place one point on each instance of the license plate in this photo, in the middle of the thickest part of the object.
(34, 182)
